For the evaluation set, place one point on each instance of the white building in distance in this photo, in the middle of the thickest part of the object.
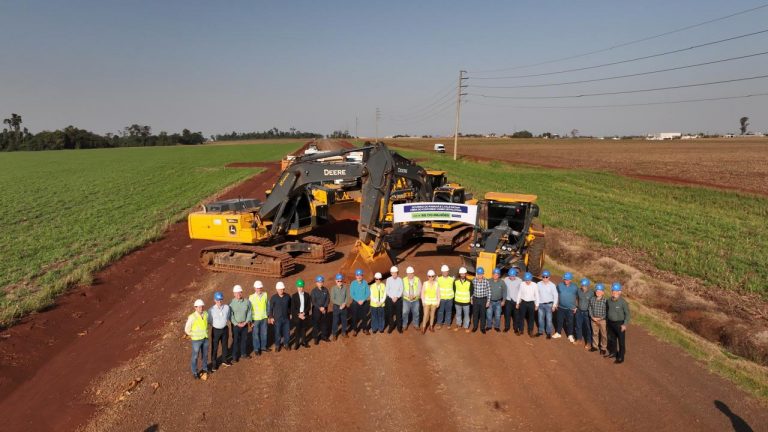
(664, 136)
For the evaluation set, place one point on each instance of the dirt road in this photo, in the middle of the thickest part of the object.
(68, 367)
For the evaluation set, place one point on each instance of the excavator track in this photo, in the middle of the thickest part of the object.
(322, 251)
(238, 258)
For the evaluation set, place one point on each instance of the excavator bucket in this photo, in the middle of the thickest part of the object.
(363, 257)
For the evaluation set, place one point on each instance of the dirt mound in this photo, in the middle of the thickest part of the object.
(737, 321)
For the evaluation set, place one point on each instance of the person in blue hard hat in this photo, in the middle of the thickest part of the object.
(218, 320)
(512, 283)
(583, 328)
(339, 298)
(617, 319)
(360, 292)
(481, 300)
(321, 298)
(597, 310)
(567, 295)
(496, 301)
(527, 302)
(547, 304)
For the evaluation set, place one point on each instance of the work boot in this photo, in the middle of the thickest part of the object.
(439, 327)
(335, 337)
(367, 332)
(424, 330)
(432, 329)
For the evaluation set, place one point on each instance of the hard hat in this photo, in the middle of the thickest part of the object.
(237, 289)
(528, 276)
(512, 272)
(258, 284)
(444, 268)
(497, 271)
(430, 272)
(615, 286)
(280, 285)
(463, 270)
(218, 296)
(358, 272)
(545, 273)
(199, 302)
(377, 275)
(409, 270)
(585, 282)
(393, 269)
(480, 271)
(339, 276)
(599, 287)
(319, 278)
(568, 276)
(300, 283)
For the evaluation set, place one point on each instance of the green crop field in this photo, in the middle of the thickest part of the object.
(718, 237)
(65, 214)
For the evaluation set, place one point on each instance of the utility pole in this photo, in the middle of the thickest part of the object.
(378, 116)
(356, 135)
(459, 94)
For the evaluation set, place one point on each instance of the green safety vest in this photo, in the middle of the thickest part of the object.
(259, 306)
(378, 294)
(430, 293)
(462, 291)
(199, 330)
(446, 287)
(409, 291)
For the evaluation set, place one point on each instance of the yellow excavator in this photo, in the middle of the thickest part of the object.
(267, 238)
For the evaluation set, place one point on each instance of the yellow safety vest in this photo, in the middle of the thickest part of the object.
(462, 291)
(446, 287)
(430, 293)
(199, 330)
(259, 306)
(410, 292)
(378, 294)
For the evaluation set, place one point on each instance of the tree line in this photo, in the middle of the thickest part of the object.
(267, 134)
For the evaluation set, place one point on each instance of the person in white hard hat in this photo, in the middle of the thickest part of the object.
(394, 304)
(411, 295)
(430, 299)
(378, 298)
(444, 311)
(462, 300)
(240, 315)
(259, 308)
(280, 316)
(197, 330)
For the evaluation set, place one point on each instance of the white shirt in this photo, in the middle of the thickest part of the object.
(301, 302)
(547, 293)
(529, 291)
(513, 287)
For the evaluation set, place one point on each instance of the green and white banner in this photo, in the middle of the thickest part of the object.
(435, 211)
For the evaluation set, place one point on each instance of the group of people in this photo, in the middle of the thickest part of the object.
(399, 303)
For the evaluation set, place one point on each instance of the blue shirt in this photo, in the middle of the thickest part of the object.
(567, 295)
(360, 291)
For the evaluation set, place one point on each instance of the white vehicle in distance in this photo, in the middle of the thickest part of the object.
(439, 148)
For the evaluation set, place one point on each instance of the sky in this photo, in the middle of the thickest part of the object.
(320, 66)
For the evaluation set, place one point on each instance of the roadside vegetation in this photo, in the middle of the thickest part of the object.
(718, 237)
(68, 214)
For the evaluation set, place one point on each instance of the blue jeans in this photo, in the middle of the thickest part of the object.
(463, 309)
(583, 326)
(282, 332)
(444, 312)
(199, 347)
(545, 319)
(377, 319)
(493, 315)
(410, 307)
(565, 320)
(339, 314)
(259, 335)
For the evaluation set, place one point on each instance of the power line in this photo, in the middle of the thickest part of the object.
(628, 60)
(624, 91)
(427, 109)
(625, 76)
(636, 41)
(623, 105)
(427, 116)
(441, 95)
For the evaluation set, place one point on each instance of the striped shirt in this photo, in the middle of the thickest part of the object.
(482, 288)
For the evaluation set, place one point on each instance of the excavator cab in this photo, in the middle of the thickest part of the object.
(507, 234)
